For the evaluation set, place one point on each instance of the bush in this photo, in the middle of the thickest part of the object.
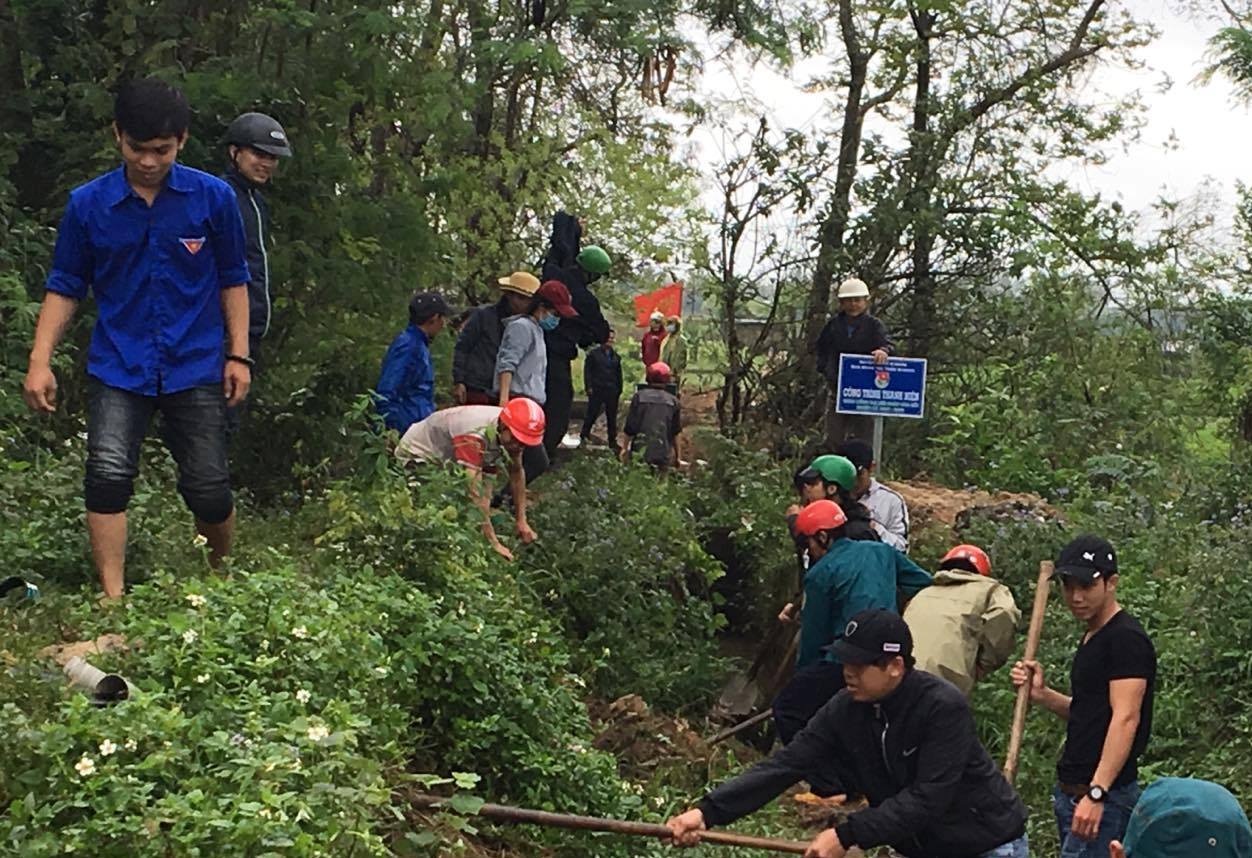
(620, 568)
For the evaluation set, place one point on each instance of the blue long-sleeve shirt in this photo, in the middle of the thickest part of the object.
(406, 387)
(852, 576)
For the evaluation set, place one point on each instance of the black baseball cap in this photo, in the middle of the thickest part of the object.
(858, 452)
(871, 635)
(1087, 559)
(423, 305)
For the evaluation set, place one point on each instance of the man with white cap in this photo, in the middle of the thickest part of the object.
(1185, 818)
(853, 331)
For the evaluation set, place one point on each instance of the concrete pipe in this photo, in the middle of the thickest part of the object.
(103, 688)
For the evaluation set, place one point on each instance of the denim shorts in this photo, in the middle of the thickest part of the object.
(194, 428)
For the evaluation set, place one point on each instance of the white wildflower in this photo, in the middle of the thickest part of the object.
(659, 801)
(381, 671)
(85, 766)
(107, 748)
(265, 645)
(302, 696)
(202, 678)
(190, 636)
(200, 541)
(131, 745)
(195, 600)
(264, 813)
(300, 632)
(317, 732)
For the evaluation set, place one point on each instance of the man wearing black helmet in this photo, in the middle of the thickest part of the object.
(255, 143)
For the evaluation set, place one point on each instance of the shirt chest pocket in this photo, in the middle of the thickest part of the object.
(188, 249)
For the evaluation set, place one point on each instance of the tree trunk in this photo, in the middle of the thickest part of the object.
(924, 169)
(830, 255)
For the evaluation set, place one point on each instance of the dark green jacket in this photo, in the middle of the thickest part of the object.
(852, 576)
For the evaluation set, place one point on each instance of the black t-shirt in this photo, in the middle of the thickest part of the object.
(1119, 650)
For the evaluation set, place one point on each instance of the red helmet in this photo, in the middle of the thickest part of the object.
(658, 373)
(524, 418)
(971, 554)
(818, 516)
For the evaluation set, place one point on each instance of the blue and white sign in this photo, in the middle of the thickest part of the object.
(894, 389)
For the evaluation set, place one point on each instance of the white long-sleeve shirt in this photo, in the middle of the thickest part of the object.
(889, 513)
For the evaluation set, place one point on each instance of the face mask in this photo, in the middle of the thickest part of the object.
(549, 323)
(673, 329)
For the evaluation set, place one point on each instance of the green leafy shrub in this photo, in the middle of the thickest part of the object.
(619, 566)
(739, 498)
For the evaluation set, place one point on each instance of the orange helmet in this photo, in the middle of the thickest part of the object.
(971, 554)
(524, 418)
(658, 373)
(818, 516)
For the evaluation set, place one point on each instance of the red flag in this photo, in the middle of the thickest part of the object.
(668, 300)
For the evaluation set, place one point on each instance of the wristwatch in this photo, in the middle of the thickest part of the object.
(1097, 793)
(246, 361)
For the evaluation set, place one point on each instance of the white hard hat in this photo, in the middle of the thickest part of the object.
(853, 288)
(657, 316)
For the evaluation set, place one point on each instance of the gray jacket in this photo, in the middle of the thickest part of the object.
(890, 514)
(523, 353)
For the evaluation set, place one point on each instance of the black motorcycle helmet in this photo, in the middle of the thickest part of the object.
(260, 132)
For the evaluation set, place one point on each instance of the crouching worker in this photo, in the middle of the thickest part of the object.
(902, 738)
(478, 437)
(654, 421)
(844, 577)
(964, 625)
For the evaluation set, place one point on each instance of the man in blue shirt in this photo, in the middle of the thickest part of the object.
(161, 246)
(845, 577)
(406, 386)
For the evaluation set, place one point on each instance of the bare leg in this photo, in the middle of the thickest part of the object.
(220, 537)
(108, 550)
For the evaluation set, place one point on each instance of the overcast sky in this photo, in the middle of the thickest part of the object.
(1195, 136)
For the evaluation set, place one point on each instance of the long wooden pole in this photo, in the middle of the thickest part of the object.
(741, 726)
(1032, 649)
(505, 813)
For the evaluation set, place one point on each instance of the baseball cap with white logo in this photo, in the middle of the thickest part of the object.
(1087, 559)
(871, 635)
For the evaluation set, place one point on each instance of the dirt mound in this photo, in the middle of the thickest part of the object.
(931, 505)
(642, 740)
(61, 653)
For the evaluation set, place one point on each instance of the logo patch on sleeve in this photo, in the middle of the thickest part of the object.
(193, 245)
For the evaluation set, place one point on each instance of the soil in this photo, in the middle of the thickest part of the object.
(934, 505)
(642, 740)
(61, 653)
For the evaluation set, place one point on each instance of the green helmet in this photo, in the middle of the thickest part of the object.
(595, 260)
(837, 470)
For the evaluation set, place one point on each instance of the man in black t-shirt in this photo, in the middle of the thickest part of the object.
(1109, 715)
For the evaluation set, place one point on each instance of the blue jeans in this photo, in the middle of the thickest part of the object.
(194, 424)
(1019, 848)
(1117, 807)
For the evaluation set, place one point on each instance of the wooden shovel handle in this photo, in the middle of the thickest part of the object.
(1032, 648)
